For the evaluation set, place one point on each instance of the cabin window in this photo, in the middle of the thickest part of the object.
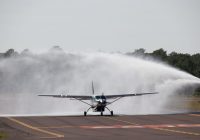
(97, 97)
(100, 97)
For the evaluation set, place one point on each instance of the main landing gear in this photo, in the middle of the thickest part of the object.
(85, 112)
(111, 112)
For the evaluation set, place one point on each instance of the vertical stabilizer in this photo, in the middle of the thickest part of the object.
(92, 88)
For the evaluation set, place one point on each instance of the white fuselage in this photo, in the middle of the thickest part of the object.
(98, 103)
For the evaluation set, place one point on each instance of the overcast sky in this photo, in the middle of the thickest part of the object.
(100, 25)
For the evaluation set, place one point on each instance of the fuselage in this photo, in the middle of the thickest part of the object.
(99, 103)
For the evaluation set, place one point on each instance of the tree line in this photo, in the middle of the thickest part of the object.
(185, 62)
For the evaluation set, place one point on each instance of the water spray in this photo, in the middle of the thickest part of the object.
(23, 77)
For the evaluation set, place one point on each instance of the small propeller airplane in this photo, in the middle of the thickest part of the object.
(98, 102)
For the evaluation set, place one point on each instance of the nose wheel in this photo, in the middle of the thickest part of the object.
(111, 113)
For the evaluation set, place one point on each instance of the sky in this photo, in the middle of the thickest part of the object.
(100, 25)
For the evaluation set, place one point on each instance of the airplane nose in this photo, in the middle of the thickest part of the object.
(102, 101)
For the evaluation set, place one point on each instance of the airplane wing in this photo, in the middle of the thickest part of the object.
(78, 97)
(127, 95)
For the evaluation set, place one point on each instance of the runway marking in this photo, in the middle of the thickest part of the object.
(142, 126)
(177, 131)
(125, 126)
(52, 127)
(37, 129)
(121, 121)
(162, 129)
(196, 115)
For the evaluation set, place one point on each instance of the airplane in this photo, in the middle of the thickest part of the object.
(98, 102)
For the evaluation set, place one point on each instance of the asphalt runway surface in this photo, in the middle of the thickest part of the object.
(142, 127)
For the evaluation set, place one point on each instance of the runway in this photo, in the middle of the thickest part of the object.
(143, 127)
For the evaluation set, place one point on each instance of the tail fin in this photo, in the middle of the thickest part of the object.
(92, 88)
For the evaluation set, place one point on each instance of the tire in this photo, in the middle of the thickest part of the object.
(85, 113)
(111, 113)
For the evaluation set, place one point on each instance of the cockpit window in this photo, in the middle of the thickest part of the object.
(103, 97)
(100, 97)
(97, 97)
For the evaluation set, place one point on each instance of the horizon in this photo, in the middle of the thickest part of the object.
(99, 51)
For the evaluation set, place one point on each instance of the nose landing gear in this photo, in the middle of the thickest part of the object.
(111, 113)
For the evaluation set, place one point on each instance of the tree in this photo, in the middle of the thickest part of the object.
(140, 51)
(9, 53)
(56, 49)
(160, 54)
(196, 62)
(181, 61)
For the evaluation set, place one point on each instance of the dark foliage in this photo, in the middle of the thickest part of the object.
(185, 62)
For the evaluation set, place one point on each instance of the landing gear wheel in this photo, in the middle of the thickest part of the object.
(85, 113)
(111, 113)
(101, 113)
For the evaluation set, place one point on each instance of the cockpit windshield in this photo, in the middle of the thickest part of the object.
(100, 97)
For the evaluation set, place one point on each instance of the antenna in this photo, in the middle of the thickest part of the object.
(92, 88)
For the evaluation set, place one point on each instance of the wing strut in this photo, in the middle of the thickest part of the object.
(114, 100)
(82, 101)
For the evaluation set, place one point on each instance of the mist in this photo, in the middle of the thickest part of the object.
(24, 77)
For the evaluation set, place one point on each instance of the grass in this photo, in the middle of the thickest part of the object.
(195, 103)
(191, 103)
(2, 135)
(197, 94)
